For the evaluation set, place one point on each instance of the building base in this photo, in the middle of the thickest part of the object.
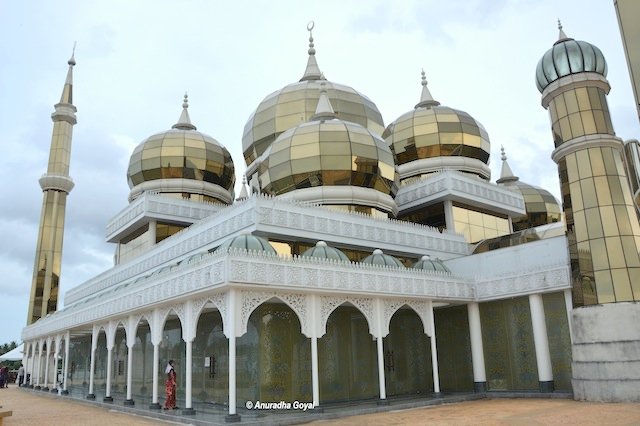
(382, 402)
(437, 395)
(479, 387)
(129, 402)
(54, 390)
(64, 392)
(189, 412)
(108, 399)
(91, 396)
(232, 418)
(546, 387)
(606, 356)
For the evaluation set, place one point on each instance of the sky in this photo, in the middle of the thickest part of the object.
(136, 59)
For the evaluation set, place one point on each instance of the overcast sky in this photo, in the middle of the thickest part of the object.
(135, 60)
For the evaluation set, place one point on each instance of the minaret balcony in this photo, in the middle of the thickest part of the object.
(56, 183)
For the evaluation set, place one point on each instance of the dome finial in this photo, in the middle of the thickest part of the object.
(72, 59)
(561, 33)
(312, 72)
(506, 175)
(184, 122)
(244, 194)
(324, 110)
(426, 100)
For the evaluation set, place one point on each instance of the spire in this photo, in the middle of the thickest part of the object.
(506, 175)
(561, 34)
(312, 72)
(67, 91)
(184, 122)
(426, 100)
(324, 110)
(243, 191)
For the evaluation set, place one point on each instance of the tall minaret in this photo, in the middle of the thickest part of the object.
(602, 226)
(56, 184)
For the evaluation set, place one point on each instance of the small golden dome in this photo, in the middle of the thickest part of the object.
(431, 131)
(183, 153)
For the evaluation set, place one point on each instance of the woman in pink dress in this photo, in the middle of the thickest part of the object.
(170, 386)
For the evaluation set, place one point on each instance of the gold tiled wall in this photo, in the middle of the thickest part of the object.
(579, 112)
(555, 312)
(604, 234)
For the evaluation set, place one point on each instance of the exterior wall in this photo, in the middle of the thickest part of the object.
(606, 352)
(509, 351)
(556, 318)
(454, 349)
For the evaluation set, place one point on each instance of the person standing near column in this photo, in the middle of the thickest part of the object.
(170, 386)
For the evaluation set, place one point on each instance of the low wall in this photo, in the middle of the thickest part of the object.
(606, 352)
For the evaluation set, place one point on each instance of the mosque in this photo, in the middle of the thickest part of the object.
(358, 262)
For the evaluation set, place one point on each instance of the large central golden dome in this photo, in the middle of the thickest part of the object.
(296, 103)
(328, 152)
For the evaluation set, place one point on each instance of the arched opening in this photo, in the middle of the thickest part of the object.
(407, 355)
(347, 358)
(119, 361)
(142, 380)
(274, 357)
(172, 347)
(79, 362)
(100, 373)
(210, 370)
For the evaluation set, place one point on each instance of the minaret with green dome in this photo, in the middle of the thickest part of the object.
(56, 185)
(602, 226)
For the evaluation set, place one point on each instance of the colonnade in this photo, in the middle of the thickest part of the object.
(35, 351)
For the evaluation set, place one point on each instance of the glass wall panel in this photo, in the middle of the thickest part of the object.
(555, 312)
(509, 351)
(454, 349)
(407, 356)
(210, 368)
(79, 362)
(142, 378)
(347, 357)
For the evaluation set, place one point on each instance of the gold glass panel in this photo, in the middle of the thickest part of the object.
(621, 285)
(571, 101)
(604, 287)
(588, 193)
(599, 254)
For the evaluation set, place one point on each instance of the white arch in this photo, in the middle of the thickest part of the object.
(329, 304)
(250, 300)
(197, 308)
(421, 308)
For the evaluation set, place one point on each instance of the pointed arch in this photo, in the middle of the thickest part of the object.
(328, 304)
(199, 305)
(420, 307)
(250, 300)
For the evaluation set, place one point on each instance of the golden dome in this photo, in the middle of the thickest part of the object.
(186, 155)
(332, 162)
(332, 152)
(540, 205)
(296, 103)
(431, 131)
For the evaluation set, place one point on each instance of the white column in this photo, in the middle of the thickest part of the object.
(448, 215)
(379, 343)
(314, 371)
(188, 373)
(129, 400)
(541, 341)
(232, 352)
(66, 363)
(315, 381)
(477, 350)
(568, 302)
(107, 393)
(92, 370)
(434, 352)
(156, 361)
(27, 362)
(46, 368)
(152, 232)
(54, 380)
(381, 380)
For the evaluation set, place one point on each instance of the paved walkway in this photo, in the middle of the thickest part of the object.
(33, 408)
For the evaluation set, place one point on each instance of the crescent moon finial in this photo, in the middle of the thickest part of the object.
(310, 26)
